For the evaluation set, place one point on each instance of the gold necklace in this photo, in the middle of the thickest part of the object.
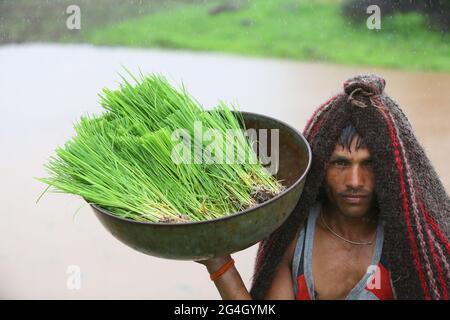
(341, 237)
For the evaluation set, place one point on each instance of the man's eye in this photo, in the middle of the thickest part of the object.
(340, 163)
(368, 163)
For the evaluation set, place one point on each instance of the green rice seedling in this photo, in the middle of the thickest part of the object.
(123, 159)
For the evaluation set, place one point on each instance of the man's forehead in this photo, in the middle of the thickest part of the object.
(342, 152)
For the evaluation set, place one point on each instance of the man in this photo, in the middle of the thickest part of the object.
(372, 221)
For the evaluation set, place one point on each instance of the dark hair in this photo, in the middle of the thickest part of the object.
(348, 133)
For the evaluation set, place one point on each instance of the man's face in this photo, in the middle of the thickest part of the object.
(349, 180)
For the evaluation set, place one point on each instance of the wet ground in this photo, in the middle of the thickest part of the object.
(45, 88)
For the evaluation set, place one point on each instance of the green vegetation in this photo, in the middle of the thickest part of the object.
(129, 161)
(45, 20)
(293, 29)
(305, 30)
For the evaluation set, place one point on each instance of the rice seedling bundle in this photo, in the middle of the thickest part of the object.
(123, 160)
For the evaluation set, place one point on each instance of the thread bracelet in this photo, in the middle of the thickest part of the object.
(217, 274)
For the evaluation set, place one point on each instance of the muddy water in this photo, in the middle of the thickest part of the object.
(45, 88)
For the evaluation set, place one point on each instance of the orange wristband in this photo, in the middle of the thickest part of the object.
(216, 275)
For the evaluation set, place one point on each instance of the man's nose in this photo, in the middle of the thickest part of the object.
(355, 177)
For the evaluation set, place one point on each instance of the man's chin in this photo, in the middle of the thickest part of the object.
(354, 211)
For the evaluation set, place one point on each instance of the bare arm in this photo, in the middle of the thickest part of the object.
(231, 286)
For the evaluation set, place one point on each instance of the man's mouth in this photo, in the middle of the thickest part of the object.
(354, 198)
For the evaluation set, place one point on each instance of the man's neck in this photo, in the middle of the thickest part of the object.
(354, 229)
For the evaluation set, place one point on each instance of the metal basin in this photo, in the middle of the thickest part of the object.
(211, 238)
